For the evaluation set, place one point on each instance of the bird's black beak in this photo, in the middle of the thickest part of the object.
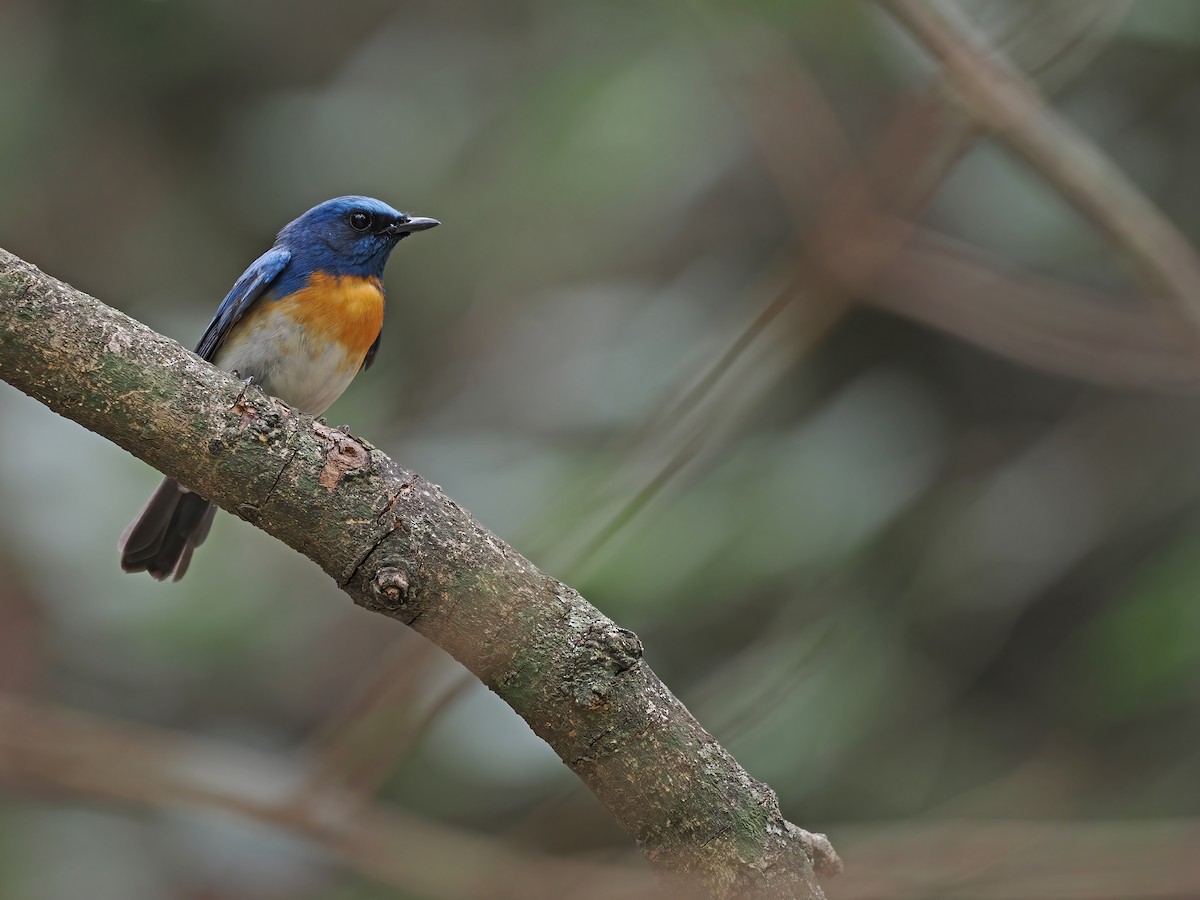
(408, 224)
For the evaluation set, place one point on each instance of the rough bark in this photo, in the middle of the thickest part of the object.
(400, 547)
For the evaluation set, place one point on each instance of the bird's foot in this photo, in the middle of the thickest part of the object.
(344, 429)
(246, 383)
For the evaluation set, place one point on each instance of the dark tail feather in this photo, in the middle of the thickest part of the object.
(161, 537)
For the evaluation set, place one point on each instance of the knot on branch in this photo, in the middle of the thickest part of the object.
(345, 456)
(825, 860)
(389, 587)
(602, 653)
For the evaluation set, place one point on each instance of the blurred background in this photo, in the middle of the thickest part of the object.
(870, 428)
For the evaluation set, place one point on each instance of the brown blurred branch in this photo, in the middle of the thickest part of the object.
(1002, 100)
(59, 751)
(863, 219)
(858, 242)
(1035, 860)
(398, 546)
(55, 752)
(1035, 320)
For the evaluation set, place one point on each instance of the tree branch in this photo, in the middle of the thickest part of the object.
(51, 750)
(1035, 320)
(1001, 99)
(399, 546)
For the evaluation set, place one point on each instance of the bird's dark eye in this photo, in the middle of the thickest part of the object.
(360, 221)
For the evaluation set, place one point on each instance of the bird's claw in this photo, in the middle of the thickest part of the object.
(344, 429)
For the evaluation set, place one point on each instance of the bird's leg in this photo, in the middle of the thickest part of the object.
(246, 382)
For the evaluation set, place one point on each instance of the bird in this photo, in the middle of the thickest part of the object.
(301, 322)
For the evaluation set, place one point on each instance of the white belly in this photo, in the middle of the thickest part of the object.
(275, 353)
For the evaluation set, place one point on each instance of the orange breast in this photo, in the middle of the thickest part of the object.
(347, 309)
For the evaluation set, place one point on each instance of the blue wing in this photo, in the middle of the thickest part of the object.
(253, 284)
(370, 357)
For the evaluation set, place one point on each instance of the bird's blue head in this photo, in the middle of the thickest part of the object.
(349, 235)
